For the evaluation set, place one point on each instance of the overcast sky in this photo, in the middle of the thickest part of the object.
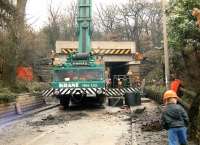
(37, 10)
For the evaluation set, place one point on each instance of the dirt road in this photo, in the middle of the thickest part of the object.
(92, 126)
(87, 126)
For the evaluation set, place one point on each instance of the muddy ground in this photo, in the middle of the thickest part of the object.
(146, 126)
(87, 126)
(146, 129)
(78, 126)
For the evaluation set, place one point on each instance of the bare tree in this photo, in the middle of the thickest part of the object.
(108, 21)
(155, 23)
(68, 23)
(72, 20)
(52, 30)
(108, 16)
(7, 13)
(132, 21)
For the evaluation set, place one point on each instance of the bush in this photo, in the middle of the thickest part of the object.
(155, 92)
(28, 86)
(156, 88)
(6, 96)
(20, 87)
(35, 87)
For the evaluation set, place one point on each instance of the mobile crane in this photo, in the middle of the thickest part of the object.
(80, 77)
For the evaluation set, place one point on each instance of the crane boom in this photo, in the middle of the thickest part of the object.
(84, 25)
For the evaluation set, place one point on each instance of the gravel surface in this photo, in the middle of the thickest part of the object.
(146, 129)
(78, 126)
(150, 134)
(88, 126)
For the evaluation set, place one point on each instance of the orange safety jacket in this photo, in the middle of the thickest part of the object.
(175, 85)
(25, 73)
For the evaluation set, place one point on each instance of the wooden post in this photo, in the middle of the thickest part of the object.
(18, 108)
(166, 53)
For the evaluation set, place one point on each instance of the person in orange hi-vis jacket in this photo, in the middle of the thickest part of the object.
(175, 85)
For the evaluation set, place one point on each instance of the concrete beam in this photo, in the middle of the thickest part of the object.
(97, 45)
(117, 58)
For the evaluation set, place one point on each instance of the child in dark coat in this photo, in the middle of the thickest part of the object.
(174, 119)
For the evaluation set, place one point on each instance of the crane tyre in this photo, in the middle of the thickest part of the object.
(64, 101)
(101, 99)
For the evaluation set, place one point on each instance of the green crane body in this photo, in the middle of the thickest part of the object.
(80, 76)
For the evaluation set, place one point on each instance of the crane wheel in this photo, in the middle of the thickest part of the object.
(64, 101)
(101, 99)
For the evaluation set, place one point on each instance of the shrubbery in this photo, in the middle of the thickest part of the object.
(9, 94)
(6, 96)
(28, 87)
(155, 92)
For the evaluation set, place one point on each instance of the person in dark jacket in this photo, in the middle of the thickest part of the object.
(174, 119)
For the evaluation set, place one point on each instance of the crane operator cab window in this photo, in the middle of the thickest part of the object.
(78, 75)
(65, 75)
(91, 75)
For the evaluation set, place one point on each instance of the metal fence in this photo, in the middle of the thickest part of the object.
(154, 95)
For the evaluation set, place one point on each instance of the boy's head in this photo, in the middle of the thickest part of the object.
(171, 100)
(170, 97)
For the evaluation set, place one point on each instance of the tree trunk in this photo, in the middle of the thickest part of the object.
(193, 115)
(21, 7)
(15, 31)
(191, 61)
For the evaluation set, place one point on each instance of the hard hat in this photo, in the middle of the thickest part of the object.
(169, 94)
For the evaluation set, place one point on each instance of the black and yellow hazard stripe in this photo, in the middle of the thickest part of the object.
(112, 51)
(101, 51)
(68, 50)
(90, 91)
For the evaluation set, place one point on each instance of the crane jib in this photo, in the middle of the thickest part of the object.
(84, 24)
